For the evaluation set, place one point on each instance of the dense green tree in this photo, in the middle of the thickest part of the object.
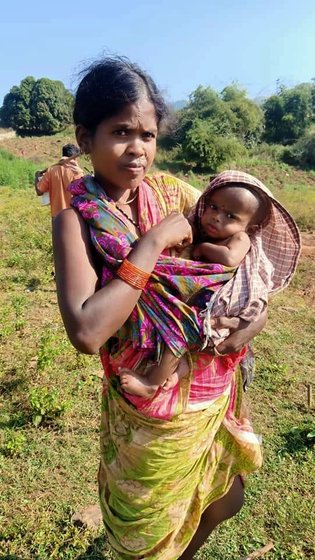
(205, 103)
(37, 106)
(214, 128)
(289, 114)
(50, 106)
(15, 110)
(249, 116)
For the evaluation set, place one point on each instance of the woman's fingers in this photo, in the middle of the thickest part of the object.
(174, 229)
(241, 334)
(234, 343)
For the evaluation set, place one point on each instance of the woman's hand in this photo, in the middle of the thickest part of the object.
(172, 231)
(241, 332)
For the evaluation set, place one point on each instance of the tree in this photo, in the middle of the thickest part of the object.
(15, 110)
(289, 114)
(249, 116)
(37, 106)
(50, 106)
(205, 103)
(215, 128)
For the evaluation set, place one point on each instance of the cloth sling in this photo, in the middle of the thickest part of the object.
(165, 311)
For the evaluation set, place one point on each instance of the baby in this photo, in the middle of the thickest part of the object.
(231, 213)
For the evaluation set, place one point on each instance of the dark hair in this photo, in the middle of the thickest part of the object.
(70, 150)
(107, 86)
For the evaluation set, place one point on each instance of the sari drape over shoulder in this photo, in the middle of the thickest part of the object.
(163, 461)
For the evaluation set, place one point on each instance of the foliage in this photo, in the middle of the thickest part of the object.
(214, 128)
(207, 149)
(45, 404)
(289, 113)
(302, 153)
(14, 443)
(40, 106)
(249, 116)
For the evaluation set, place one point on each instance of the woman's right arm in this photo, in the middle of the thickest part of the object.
(90, 315)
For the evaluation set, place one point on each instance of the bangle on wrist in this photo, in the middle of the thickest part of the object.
(133, 275)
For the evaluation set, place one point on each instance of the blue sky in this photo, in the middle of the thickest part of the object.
(182, 44)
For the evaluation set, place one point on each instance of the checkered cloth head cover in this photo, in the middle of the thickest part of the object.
(269, 265)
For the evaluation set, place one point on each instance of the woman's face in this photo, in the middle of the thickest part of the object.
(123, 147)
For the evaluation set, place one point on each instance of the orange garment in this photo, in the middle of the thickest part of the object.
(56, 181)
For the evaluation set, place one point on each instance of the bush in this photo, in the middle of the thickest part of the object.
(207, 149)
(14, 443)
(302, 153)
(45, 404)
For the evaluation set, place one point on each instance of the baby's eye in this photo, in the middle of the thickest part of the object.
(231, 216)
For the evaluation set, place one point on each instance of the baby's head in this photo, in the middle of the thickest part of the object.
(233, 208)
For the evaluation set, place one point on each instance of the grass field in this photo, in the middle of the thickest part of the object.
(50, 396)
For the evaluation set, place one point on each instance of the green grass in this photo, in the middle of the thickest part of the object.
(16, 172)
(48, 468)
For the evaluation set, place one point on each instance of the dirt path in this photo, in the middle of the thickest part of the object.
(7, 134)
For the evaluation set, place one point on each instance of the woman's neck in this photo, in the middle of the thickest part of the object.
(117, 194)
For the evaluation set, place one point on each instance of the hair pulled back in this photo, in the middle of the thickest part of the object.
(109, 85)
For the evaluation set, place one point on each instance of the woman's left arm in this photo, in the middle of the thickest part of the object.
(241, 332)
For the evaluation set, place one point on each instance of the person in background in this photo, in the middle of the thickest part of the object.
(56, 179)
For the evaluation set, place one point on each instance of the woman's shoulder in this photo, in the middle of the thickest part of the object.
(173, 194)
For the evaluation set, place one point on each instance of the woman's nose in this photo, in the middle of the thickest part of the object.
(135, 147)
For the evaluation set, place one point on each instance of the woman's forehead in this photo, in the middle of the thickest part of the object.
(142, 112)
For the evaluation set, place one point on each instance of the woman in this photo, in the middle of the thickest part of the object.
(165, 480)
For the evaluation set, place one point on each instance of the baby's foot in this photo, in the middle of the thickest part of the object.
(181, 371)
(135, 384)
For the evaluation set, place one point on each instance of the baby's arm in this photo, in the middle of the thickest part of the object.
(229, 254)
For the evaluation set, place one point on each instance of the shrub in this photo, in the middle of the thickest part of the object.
(207, 149)
(302, 153)
(45, 404)
(14, 443)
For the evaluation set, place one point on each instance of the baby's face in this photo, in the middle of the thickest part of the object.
(228, 210)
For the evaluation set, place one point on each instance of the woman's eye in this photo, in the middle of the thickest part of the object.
(212, 206)
(120, 132)
(149, 135)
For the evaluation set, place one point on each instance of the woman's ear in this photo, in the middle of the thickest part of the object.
(83, 137)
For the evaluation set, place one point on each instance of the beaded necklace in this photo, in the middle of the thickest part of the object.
(124, 213)
(128, 217)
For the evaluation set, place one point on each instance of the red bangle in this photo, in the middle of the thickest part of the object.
(133, 275)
